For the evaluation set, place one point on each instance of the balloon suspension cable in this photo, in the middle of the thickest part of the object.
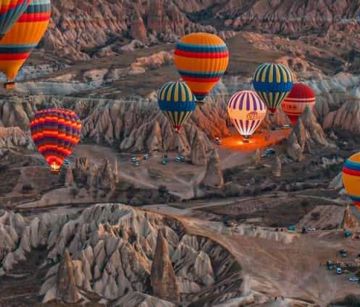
(200, 102)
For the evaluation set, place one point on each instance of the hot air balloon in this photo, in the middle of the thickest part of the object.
(10, 11)
(272, 82)
(351, 178)
(55, 132)
(297, 100)
(177, 102)
(201, 60)
(246, 111)
(23, 37)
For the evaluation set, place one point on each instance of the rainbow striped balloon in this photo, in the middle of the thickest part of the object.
(201, 60)
(177, 102)
(55, 132)
(272, 82)
(23, 37)
(246, 111)
(10, 11)
(351, 178)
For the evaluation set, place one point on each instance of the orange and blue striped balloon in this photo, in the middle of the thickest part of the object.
(10, 11)
(55, 132)
(23, 37)
(201, 60)
(351, 178)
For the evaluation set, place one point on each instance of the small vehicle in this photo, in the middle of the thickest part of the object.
(164, 160)
(354, 279)
(180, 158)
(136, 163)
(134, 159)
(343, 253)
(347, 234)
(268, 153)
(339, 271)
(146, 157)
(330, 265)
(292, 228)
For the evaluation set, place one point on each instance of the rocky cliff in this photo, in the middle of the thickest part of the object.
(307, 135)
(14, 137)
(81, 29)
(107, 252)
(346, 118)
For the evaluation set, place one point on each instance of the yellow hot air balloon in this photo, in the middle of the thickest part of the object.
(23, 37)
(351, 178)
(246, 111)
(201, 59)
(177, 102)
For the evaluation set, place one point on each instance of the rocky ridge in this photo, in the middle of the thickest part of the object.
(110, 251)
(80, 29)
(307, 136)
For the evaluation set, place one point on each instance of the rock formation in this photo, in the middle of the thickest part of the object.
(277, 167)
(14, 137)
(163, 279)
(307, 136)
(213, 175)
(346, 118)
(350, 221)
(101, 177)
(337, 182)
(119, 253)
(67, 291)
(78, 28)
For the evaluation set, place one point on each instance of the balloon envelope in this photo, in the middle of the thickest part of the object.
(201, 59)
(246, 111)
(23, 37)
(10, 11)
(177, 102)
(351, 178)
(272, 82)
(297, 100)
(55, 132)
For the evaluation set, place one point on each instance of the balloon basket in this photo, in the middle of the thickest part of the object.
(9, 86)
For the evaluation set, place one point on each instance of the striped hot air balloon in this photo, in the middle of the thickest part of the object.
(177, 102)
(55, 132)
(23, 37)
(201, 60)
(351, 178)
(246, 111)
(272, 82)
(298, 99)
(10, 11)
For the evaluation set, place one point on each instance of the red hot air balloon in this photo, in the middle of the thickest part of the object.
(55, 132)
(298, 99)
